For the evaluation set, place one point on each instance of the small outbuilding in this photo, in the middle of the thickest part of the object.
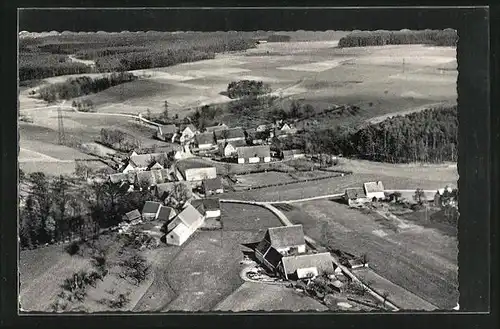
(132, 215)
(150, 210)
(355, 196)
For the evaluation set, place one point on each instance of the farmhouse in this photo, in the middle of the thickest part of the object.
(209, 207)
(306, 266)
(254, 154)
(285, 239)
(166, 132)
(132, 215)
(186, 134)
(205, 140)
(288, 129)
(150, 210)
(221, 126)
(212, 186)
(292, 154)
(196, 171)
(229, 135)
(184, 225)
(143, 161)
(229, 149)
(355, 196)
(374, 190)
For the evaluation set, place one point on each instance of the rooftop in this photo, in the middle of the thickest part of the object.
(286, 236)
(320, 260)
(254, 151)
(355, 193)
(373, 187)
(212, 184)
(229, 133)
(151, 207)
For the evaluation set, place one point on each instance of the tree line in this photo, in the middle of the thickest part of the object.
(428, 136)
(49, 57)
(247, 88)
(447, 37)
(79, 86)
(119, 140)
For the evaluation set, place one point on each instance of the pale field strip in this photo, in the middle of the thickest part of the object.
(316, 66)
(26, 155)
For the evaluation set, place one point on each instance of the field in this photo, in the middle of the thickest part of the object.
(408, 257)
(202, 273)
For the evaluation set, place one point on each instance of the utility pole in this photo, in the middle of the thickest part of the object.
(403, 65)
(60, 126)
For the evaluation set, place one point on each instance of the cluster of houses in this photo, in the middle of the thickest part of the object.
(283, 252)
(371, 191)
(248, 146)
(178, 227)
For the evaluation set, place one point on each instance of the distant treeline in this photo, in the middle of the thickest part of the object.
(46, 57)
(429, 136)
(278, 38)
(75, 87)
(447, 37)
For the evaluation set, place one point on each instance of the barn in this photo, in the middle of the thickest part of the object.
(355, 196)
(254, 154)
(374, 190)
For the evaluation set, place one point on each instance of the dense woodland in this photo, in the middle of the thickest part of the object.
(56, 210)
(447, 37)
(46, 57)
(428, 136)
(75, 87)
(247, 88)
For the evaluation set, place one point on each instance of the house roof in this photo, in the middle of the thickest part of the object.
(273, 256)
(189, 164)
(180, 230)
(320, 260)
(215, 128)
(143, 160)
(189, 215)
(237, 143)
(167, 129)
(165, 213)
(286, 236)
(211, 203)
(166, 187)
(355, 193)
(254, 151)
(134, 214)
(229, 133)
(151, 207)
(190, 126)
(373, 187)
(212, 184)
(205, 138)
(263, 246)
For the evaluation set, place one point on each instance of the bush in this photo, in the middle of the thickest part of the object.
(73, 248)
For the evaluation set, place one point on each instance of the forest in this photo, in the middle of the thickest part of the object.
(247, 88)
(54, 210)
(48, 56)
(447, 37)
(429, 136)
(84, 85)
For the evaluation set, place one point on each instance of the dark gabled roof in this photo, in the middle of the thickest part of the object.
(205, 138)
(215, 128)
(198, 205)
(229, 133)
(263, 246)
(151, 207)
(260, 151)
(286, 236)
(165, 187)
(322, 261)
(212, 184)
(167, 129)
(165, 213)
(273, 257)
(211, 204)
(184, 165)
(355, 193)
(372, 187)
(134, 214)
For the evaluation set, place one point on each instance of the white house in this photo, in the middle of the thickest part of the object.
(254, 154)
(190, 171)
(184, 225)
(374, 190)
(229, 149)
(209, 207)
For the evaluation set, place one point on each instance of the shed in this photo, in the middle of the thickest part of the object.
(132, 215)
(150, 210)
(166, 213)
(293, 154)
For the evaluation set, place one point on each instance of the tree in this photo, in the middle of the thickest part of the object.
(308, 110)
(397, 196)
(40, 192)
(60, 196)
(136, 268)
(181, 193)
(419, 196)
(165, 111)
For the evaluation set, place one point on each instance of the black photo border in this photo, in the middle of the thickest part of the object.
(478, 148)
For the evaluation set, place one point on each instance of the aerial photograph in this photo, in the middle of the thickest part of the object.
(238, 171)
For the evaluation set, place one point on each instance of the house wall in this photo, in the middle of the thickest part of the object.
(307, 272)
(204, 146)
(300, 249)
(128, 168)
(253, 160)
(149, 216)
(176, 240)
(299, 156)
(241, 160)
(213, 213)
(267, 159)
(196, 174)
(378, 195)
